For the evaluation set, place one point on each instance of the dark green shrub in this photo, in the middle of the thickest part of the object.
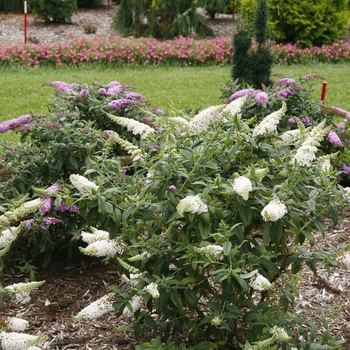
(89, 3)
(59, 11)
(312, 23)
(213, 7)
(262, 58)
(160, 19)
(241, 69)
(11, 6)
(253, 67)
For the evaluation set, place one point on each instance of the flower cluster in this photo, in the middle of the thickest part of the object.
(100, 245)
(274, 210)
(191, 204)
(213, 250)
(22, 290)
(19, 341)
(82, 184)
(136, 303)
(242, 186)
(270, 122)
(152, 289)
(260, 283)
(200, 122)
(14, 123)
(96, 309)
(132, 125)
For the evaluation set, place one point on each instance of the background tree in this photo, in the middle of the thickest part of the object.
(249, 67)
(262, 59)
(164, 19)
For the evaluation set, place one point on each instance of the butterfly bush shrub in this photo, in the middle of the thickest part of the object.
(296, 94)
(208, 218)
(66, 141)
(212, 227)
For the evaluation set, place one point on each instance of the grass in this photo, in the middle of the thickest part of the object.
(22, 90)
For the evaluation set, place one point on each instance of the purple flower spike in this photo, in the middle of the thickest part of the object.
(343, 112)
(121, 103)
(346, 168)
(306, 121)
(172, 187)
(13, 123)
(54, 188)
(262, 98)
(291, 121)
(284, 93)
(334, 139)
(109, 133)
(50, 220)
(241, 93)
(114, 90)
(102, 91)
(134, 95)
(84, 94)
(284, 81)
(341, 126)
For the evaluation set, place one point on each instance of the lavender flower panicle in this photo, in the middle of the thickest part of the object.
(241, 93)
(284, 81)
(262, 98)
(121, 103)
(334, 139)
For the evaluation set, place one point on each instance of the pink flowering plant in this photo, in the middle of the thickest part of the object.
(208, 222)
(140, 51)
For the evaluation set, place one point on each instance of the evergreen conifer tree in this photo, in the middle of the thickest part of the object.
(253, 68)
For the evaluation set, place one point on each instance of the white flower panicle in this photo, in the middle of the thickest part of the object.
(274, 211)
(152, 289)
(19, 341)
(306, 153)
(191, 204)
(133, 150)
(242, 186)
(288, 138)
(21, 211)
(9, 235)
(16, 324)
(136, 303)
(82, 184)
(97, 235)
(234, 107)
(260, 283)
(201, 121)
(213, 250)
(280, 334)
(22, 290)
(96, 309)
(132, 125)
(101, 248)
(179, 122)
(270, 122)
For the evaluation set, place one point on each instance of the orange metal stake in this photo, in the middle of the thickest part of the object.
(25, 22)
(323, 93)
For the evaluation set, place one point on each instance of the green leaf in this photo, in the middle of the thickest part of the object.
(176, 299)
(245, 213)
(227, 247)
(191, 297)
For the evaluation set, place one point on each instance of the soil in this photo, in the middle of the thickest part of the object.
(69, 288)
(86, 23)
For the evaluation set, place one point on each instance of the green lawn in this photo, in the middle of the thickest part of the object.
(22, 90)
